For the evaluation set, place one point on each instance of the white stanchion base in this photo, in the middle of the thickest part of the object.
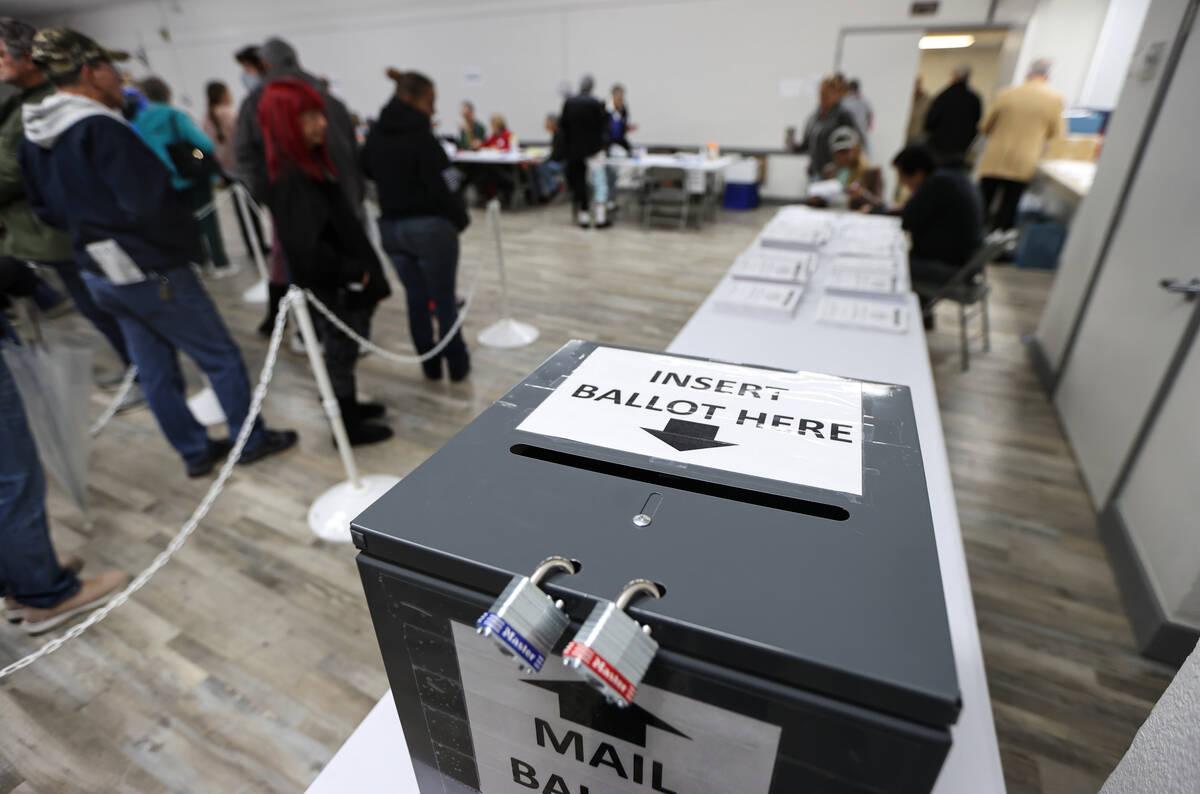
(507, 333)
(257, 293)
(204, 406)
(331, 514)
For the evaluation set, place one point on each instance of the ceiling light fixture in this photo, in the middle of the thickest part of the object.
(943, 42)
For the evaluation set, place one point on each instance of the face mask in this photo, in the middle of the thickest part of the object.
(251, 81)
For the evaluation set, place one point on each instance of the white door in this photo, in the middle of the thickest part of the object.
(1160, 501)
(1133, 326)
(1086, 235)
(886, 66)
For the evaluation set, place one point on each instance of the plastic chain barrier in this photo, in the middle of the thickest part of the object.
(401, 358)
(260, 392)
(118, 398)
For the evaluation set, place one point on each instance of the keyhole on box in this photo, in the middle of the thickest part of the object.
(646, 515)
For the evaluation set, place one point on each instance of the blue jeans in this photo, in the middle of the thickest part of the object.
(105, 323)
(547, 176)
(29, 570)
(424, 250)
(167, 313)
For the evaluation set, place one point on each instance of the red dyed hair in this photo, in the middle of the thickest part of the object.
(279, 110)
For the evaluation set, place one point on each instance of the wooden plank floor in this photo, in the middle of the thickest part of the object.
(246, 662)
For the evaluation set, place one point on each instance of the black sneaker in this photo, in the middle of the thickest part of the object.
(363, 433)
(433, 367)
(273, 441)
(217, 450)
(460, 367)
(369, 410)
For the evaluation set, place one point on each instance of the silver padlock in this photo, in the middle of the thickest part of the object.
(611, 651)
(524, 622)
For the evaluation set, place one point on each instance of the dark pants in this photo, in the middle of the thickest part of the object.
(29, 569)
(1004, 215)
(341, 352)
(577, 183)
(161, 316)
(105, 323)
(425, 252)
(198, 196)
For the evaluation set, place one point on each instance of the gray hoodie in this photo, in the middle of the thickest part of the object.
(248, 152)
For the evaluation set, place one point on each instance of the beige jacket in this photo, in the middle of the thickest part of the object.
(1022, 119)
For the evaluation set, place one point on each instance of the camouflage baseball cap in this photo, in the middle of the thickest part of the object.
(62, 50)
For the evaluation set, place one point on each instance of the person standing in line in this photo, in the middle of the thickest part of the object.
(24, 237)
(161, 127)
(326, 247)
(828, 116)
(41, 591)
(253, 70)
(952, 121)
(220, 120)
(279, 60)
(471, 132)
(584, 126)
(860, 109)
(1020, 123)
(88, 172)
(421, 215)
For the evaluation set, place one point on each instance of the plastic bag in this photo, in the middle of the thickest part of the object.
(54, 383)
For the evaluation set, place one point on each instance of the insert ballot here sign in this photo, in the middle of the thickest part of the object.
(797, 427)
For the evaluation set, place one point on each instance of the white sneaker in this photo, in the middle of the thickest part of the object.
(585, 218)
(601, 216)
(232, 269)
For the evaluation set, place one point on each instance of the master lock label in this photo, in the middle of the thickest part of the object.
(552, 733)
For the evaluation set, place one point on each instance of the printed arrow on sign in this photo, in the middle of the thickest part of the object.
(686, 436)
(581, 704)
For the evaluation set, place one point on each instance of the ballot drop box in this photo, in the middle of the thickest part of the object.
(640, 572)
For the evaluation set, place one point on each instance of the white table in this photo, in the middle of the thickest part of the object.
(518, 162)
(804, 344)
(702, 176)
(688, 162)
(496, 157)
(376, 752)
(1073, 178)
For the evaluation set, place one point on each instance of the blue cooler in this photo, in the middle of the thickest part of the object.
(741, 196)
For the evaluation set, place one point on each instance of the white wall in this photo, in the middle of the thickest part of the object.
(697, 70)
(936, 67)
(1065, 31)
(1114, 48)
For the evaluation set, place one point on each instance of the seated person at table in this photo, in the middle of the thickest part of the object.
(547, 175)
(862, 181)
(944, 215)
(501, 137)
(471, 132)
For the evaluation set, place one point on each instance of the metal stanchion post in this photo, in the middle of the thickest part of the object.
(330, 515)
(506, 332)
(257, 293)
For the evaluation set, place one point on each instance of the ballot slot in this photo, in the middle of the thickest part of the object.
(790, 504)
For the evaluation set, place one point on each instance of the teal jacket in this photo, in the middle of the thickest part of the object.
(22, 235)
(160, 126)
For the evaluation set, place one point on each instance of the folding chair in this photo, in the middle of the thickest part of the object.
(665, 196)
(968, 287)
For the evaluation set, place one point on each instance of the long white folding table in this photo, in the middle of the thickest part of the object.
(517, 162)
(376, 757)
(703, 176)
